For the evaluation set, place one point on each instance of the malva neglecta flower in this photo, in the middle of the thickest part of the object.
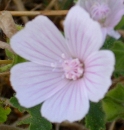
(63, 72)
(107, 12)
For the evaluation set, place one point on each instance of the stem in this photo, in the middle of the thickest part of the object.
(3, 74)
(57, 126)
(112, 125)
(7, 5)
(5, 68)
(121, 33)
(7, 127)
(51, 4)
(75, 126)
(34, 13)
(4, 45)
(6, 61)
(20, 7)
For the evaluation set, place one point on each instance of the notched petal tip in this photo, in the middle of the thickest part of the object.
(76, 11)
(79, 28)
(38, 19)
(40, 41)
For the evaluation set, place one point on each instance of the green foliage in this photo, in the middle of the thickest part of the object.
(15, 103)
(117, 93)
(113, 103)
(36, 121)
(9, 54)
(19, 27)
(16, 58)
(118, 49)
(120, 24)
(108, 43)
(5, 68)
(75, 1)
(65, 4)
(95, 119)
(4, 112)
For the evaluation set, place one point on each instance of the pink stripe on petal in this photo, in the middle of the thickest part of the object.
(44, 43)
(46, 91)
(97, 75)
(80, 30)
(97, 91)
(51, 33)
(35, 83)
(41, 46)
(69, 104)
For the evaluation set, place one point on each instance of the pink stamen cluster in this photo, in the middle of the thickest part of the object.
(73, 69)
(100, 11)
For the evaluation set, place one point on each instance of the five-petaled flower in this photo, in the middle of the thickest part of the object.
(63, 73)
(107, 12)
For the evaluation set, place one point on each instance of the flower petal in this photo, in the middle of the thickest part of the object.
(86, 4)
(114, 34)
(81, 3)
(40, 42)
(97, 77)
(83, 35)
(104, 32)
(117, 11)
(71, 104)
(35, 83)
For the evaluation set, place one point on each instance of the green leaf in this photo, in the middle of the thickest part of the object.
(95, 119)
(25, 121)
(5, 67)
(19, 27)
(16, 104)
(113, 103)
(117, 93)
(9, 54)
(118, 49)
(18, 59)
(36, 121)
(65, 4)
(4, 111)
(108, 43)
(120, 24)
(75, 1)
(112, 109)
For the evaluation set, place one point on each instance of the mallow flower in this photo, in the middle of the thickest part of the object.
(63, 72)
(107, 12)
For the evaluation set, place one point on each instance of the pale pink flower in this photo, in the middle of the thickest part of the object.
(63, 72)
(107, 12)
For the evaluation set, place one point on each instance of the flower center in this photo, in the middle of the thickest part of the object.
(73, 69)
(99, 11)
